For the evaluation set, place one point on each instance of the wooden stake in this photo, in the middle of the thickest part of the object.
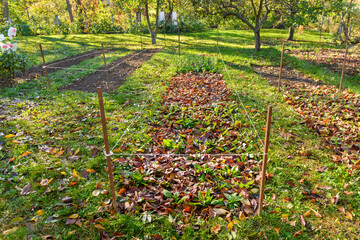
(44, 66)
(265, 158)
(281, 66)
(217, 41)
(179, 38)
(344, 66)
(106, 70)
(165, 33)
(107, 149)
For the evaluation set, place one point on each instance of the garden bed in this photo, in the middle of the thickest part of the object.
(334, 116)
(117, 73)
(332, 59)
(67, 62)
(197, 116)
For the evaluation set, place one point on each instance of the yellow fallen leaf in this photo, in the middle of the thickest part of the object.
(307, 213)
(77, 151)
(215, 229)
(16, 220)
(10, 136)
(75, 174)
(71, 232)
(63, 173)
(99, 226)
(90, 170)
(40, 212)
(277, 230)
(230, 226)
(140, 150)
(74, 216)
(349, 215)
(337, 221)
(316, 213)
(242, 216)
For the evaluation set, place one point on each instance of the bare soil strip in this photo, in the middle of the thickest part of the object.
(118, 71)
(63, 63)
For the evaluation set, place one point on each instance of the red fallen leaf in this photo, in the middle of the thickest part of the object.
(72, 183)
(335, 199)
(298, 233)
(341, 209)
(11, 160)
(188, 209)
(287, 199)
(291, 184)
(156, 237)
(121, 191)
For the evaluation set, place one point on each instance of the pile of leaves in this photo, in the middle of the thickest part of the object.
(331, 59)
(334, 116)
(196, 116)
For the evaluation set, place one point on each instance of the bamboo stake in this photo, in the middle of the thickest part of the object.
(107, 149)
(44, 66)
(281, 66)
(344, 67)
(265, 158)
(106, 69)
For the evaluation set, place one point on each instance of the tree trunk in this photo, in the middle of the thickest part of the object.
(153, 38)
(69, 10)
(153, 33)
(291, 34)
(6, 11)
(257, 39)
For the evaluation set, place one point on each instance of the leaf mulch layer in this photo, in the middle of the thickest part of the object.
(331, 59)
(119, 70)
(35, 72)
(197, 115)
(334, 116)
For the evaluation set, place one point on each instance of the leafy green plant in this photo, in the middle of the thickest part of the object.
(207, 199)
(197, 64)
(176, 196)
(229, 172)
(233, 200)
(137, 177)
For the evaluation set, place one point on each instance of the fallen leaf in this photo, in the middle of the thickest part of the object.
(74, 216)
(220, 211)
(25, 154)
(96, 193)
(39, 213)
(10, 136)
(307, 213)
(25, 190)
(215, 229)
(316, 213)
(75, 174)
(298, 233)
(16, 220)
(99, 226)
(67, 199)
(84, 173)
(349, 215)
(302, 220)
(341, 209)
(277, 230)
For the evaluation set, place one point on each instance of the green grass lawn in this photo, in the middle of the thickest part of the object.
(56, 137)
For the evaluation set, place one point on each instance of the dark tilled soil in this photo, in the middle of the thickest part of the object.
(289, 76)
(31, 73)
(118, 71)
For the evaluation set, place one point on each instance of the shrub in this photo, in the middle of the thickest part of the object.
(11, 60)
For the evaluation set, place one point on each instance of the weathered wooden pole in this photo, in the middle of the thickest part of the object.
(44, 66)
(265, 158)
(107, 149)
(281, 66)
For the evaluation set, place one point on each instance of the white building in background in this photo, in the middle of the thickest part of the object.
(174, 18)
(161, 17)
